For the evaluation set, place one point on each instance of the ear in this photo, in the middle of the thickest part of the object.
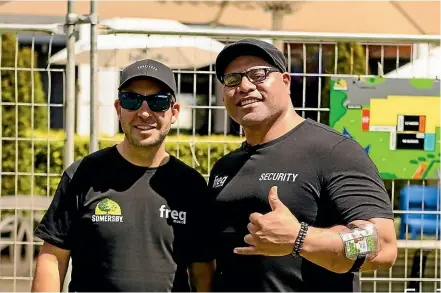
(176, 107)
(286, 77)
(117, 106)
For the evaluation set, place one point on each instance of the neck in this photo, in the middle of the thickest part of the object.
(152, 156)
(270, 130)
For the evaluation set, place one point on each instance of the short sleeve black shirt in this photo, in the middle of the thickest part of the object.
(323, 177)
(129, 228)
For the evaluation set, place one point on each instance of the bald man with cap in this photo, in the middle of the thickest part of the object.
(299, 206)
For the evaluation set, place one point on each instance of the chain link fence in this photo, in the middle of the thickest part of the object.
(35, 117)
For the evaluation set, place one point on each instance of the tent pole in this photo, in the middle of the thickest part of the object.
(94, 103)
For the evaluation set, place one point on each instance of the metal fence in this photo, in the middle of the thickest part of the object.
(32, 152)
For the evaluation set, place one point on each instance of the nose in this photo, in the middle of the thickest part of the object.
(144, 110)
(246, 85)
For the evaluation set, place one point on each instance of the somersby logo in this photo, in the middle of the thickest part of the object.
(107, 211)
(177, 216)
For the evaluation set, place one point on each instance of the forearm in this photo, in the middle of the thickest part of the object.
(201, 275)
(49, 274)
(324, 247)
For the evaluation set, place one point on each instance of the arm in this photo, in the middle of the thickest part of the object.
(202, 263)
(274, 234)
(357, 194)
(56, 230)
(201, 275)
(52, 263)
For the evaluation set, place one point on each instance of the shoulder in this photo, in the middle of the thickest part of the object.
(183, 170)
(72, 169)
(102, 155)
(177, 177)
(91, 161)
(323, 140)
(322, 133)
(229, 159)
(333, 142)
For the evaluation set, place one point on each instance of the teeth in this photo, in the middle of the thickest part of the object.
(248, 101)
(143, 127)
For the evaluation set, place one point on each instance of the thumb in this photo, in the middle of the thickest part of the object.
(273, 199)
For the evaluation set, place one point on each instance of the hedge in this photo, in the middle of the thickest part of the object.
(34, 158)
(22, 108)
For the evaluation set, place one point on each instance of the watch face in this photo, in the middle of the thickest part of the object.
(358, 242)
(351, 250)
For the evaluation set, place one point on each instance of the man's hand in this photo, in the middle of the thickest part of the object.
(272, 234)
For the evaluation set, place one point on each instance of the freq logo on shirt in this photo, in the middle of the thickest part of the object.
(219, 181)
(178, 217)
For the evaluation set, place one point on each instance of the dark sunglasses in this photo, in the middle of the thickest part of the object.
(254, 75)
(159, 102)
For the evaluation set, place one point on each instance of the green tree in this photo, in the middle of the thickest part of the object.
(20, 87)
(351, 59)
(105, 206)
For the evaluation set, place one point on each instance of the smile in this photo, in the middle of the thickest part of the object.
(143, 127)
(245, 102)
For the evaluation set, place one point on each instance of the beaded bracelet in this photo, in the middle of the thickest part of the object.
(300, 238)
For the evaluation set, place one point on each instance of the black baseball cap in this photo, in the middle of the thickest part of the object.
(149, 68)
(252, 47)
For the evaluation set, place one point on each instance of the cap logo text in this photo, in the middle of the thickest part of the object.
(148, 67)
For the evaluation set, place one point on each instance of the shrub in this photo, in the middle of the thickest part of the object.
(48, 153)
(19, 88)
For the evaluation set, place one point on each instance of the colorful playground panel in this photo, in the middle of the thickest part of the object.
(397, 121)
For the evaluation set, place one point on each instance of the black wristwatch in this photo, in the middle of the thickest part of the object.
(360, 259)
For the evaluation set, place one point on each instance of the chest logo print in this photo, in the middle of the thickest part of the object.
(290, 177)
(178, 217)
(219, 181)
(107, 210)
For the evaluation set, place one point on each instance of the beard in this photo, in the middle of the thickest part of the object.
(151, 141)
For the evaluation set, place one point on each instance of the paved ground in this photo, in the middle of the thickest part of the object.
(7, 271)
(20, 286)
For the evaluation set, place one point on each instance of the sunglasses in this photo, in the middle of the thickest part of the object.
(254, 75)
(159, 102)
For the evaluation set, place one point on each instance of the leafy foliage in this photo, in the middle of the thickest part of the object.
(21, 87)
(48, 153)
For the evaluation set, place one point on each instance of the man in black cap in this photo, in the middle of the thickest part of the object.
(300, 207)
(130, 216)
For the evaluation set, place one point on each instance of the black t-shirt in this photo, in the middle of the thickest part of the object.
(323, 177)
(129, 228)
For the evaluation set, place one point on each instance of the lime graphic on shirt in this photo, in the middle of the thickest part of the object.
(107, 207)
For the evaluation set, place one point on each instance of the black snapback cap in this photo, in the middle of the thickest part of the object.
(149, 68)
(251, 47)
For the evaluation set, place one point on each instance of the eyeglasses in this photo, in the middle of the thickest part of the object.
(254, 75)
(159, 102)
